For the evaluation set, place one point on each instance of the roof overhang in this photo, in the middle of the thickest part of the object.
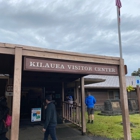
(30, 51)
(87, 81)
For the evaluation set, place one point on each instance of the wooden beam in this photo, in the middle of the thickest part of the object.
(55, 54)
(124, 103)
(69, 57)
(7, 50)
(83, 119)
(16, 94)
(4, 77)
(77, 102)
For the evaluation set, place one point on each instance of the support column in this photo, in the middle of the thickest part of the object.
(83, 119)
(16, 94)
(74, 99)
(77, 103)
(124, 103)
(9, 98)
(63, 99)
(9, 104)
(78, 97)
(77, 94)
(138, 95)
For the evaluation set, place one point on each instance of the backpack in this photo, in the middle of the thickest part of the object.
(8, 120)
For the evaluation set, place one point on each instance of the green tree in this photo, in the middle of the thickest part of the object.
(136, 73)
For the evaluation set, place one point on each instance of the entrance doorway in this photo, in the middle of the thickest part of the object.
(34, 98)
(31, 97)
(35, 87)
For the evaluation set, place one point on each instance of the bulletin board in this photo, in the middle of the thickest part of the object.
(35, 114)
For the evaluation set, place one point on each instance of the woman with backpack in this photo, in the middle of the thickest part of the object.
(4, 110)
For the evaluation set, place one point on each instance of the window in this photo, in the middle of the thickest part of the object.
(113, 94)
(116, 95)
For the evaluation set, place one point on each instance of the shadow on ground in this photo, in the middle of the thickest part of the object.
(64, 132)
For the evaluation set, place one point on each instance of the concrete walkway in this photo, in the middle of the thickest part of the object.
(64, 132)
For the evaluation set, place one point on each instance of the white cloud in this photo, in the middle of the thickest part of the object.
(73, 25)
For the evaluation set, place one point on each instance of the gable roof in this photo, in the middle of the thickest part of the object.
(110, 81)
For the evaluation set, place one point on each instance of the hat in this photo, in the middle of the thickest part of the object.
(70, 97)
(49, 98)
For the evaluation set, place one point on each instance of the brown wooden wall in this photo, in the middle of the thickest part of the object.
(132, 95)
(103, 94)
(100, 95)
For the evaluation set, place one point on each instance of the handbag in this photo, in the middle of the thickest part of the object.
(8, 121)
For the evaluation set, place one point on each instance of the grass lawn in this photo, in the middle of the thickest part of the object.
(110, 126)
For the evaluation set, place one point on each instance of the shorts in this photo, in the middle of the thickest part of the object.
(90, 111)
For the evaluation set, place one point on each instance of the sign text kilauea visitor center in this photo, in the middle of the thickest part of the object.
(36, 64)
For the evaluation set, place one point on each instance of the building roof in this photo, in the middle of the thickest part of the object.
(4, 76)
(110, 81)
(87, 81)
(68, 55)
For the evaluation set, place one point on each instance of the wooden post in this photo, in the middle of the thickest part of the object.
(83, 119)
(16, 94)
(9, 104)
(77, 103)
(75, 96)
(138, 95)
(80, 114)
(124, 103)
(63, 100)
(9, 99)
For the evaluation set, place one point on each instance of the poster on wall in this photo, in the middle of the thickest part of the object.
(9, 90)
(35, 114)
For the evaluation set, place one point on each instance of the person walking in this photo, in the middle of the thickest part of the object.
(51, 120)
(90, 101)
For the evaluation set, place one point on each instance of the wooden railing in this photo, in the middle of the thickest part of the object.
(72, 113)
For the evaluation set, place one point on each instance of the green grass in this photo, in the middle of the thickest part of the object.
(110, 126)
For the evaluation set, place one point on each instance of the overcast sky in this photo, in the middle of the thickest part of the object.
(85, 26)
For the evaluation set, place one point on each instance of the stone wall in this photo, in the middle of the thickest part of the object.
(99, 107)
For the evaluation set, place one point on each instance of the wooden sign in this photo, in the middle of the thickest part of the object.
(47, 65)
(9, 90)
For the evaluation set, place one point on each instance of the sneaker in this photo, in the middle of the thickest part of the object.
(92, 121)
(88, 121)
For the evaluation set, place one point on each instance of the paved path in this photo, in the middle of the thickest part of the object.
(64, 132)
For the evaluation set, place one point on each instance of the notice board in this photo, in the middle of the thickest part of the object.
(35, 114)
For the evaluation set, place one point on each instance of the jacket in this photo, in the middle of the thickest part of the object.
(90, 101)
(51, 117)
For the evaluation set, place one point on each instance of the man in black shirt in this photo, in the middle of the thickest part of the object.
(51, 120)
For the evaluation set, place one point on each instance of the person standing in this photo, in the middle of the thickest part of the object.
(51, 120)
(90, 101)
(70, 101)
(3, 115)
